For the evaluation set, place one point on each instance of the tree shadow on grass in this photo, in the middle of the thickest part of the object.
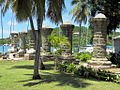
(47, 67)
(0, 76)
(61, 77)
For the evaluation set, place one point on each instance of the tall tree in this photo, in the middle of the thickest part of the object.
(80, 14)
(111, 8)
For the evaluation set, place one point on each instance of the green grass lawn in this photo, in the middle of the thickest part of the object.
(17, 75)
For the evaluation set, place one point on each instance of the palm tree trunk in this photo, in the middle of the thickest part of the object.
(41, 65)
(79, 37)
(32, 27)
(37, 54)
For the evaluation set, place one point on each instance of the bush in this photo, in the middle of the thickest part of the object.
(112, 57)
(27, 46)
(89, 72)
(67, 67)
(0, 55)
(85, 57)
(98, 74)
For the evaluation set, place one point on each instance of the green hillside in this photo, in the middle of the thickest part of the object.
(75, 37)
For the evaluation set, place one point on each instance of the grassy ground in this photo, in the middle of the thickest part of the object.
(17, 75)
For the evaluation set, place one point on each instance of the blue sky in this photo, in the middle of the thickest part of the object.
(23, 25)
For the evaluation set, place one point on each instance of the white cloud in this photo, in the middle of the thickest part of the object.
(11, 23)
(118, 30)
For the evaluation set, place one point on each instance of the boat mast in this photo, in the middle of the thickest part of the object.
(2, 28)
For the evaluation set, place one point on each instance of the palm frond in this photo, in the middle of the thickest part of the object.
(55, 8)
(22, 9)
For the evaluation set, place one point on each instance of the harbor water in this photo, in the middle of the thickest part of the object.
(6, 47)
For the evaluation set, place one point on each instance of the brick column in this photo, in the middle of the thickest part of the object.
(67, 29)
(46, 46)
(22, 43)
(99, 59)
(31, 40)
(14, 39)
(30, 55)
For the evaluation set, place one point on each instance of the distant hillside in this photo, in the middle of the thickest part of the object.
(75, 37)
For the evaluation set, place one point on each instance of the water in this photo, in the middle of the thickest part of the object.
(5, 48)
(8, 47)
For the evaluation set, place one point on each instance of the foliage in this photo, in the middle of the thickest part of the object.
(5, 41)
(0, 54)
(89, 72)
(27, 46)
(57, 42)
(115, 60)
(67, 67)
(83, 36)
(98, 74)
(111, 8)
(85, 56)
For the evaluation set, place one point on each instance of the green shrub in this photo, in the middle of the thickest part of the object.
(0, 55)
(67, 67)
(27, 46)
(99, 74)
(76, 56)
(112, 57)
(85, 57)
(89, 72)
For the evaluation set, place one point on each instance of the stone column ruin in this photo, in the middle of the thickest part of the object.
(99, 59)
(30, 55)
(22, 42)
(14, 39)
(46, 46)
(67, 29)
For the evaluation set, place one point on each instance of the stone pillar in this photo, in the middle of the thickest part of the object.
(31, 40)
(46, 46)
(67, 29)
(22, 43)
(30, 55)
(99, 59)
(14, 39)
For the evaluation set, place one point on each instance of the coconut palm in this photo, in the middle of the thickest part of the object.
(28, 8)
(80, 14)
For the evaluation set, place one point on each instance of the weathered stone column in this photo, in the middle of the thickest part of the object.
(99, 59)
(46, 46)
(22, 43)
(30, 55)
(31, 40)
(14, 39)
(67, 29)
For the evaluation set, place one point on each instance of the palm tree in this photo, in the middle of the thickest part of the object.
(80, 14)
(28, 8)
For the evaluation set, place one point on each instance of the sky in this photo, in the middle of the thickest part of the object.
(24, 25)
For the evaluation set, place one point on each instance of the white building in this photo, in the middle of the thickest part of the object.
(116, 44)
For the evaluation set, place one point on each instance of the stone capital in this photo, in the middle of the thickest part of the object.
(67, 24)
